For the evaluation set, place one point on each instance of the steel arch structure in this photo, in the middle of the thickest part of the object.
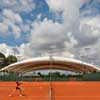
(60, 63)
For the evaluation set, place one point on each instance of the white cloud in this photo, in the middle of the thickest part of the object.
(16, 31)
(18, 5)
(3, 28)
(74, 37)
(90, 53)
(14, 17)
(90, 26)
(47, 35)
(6, 50)
(17, 51)
(70, 9)
(61, 5)
(11, 24)
(56, 5)
(89, 35)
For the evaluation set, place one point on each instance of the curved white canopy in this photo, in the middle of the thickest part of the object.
(51, 63)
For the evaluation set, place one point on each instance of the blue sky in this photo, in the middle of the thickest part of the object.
(68, 28)
(41, 8)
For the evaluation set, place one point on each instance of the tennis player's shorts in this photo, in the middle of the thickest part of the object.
(17, 88)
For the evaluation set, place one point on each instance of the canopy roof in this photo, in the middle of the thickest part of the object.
(50, 63)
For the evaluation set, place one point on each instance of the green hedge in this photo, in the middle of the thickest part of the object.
(85, 77)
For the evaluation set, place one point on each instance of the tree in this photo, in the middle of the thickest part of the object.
(11, 59)
(39, 74)
(2, 60)
(57, 74)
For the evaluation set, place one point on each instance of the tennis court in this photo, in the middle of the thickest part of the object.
(52, 91)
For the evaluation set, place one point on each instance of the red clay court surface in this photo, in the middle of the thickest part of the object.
(60, 91)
